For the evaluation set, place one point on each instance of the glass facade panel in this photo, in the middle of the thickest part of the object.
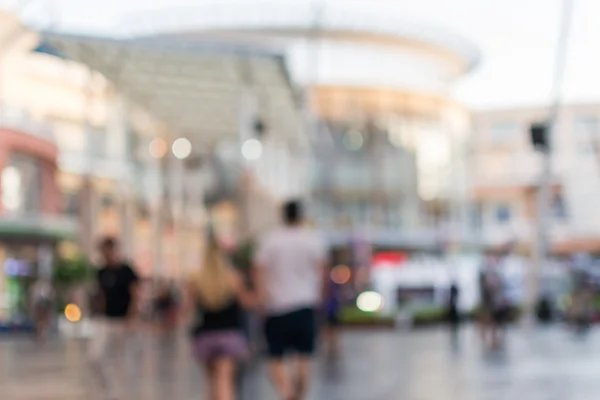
(22, 185)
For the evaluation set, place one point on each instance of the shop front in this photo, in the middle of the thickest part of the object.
(27, 253)
(30, 222)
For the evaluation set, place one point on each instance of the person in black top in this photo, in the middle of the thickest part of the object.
(116, 307)
(453, 313)
(217, 296)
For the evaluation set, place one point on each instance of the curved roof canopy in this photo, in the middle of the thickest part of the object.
(198, 90)
(308, 16)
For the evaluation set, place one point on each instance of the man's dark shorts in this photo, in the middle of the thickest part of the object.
(294, 332)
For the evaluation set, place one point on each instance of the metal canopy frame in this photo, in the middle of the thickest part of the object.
(195, 89)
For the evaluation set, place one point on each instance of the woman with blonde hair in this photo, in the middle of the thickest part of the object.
(218, 295)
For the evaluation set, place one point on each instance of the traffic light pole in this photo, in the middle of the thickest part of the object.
(544, 194)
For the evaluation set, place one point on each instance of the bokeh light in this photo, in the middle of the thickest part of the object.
(252, 149)
(341, 274)
(72, 313)
(182, 148)
(353, 140)
(369, 301)
(157, 148)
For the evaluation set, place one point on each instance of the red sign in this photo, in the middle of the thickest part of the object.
(388, 259)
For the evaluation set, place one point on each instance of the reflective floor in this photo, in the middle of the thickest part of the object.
(550, 364)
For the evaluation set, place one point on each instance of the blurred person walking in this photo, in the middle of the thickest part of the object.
(42, 300)
(289, 277)
(582, 298)
(218, 295)
(494, 307)
(166, 306)
(116, 306)
(332, 320)
(453, 313)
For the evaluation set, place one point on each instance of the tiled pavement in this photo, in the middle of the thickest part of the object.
(548, 364)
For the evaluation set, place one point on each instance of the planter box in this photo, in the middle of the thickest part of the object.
(377, 324)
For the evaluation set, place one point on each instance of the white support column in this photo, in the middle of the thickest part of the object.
(196, 215)
(246, 112)
(117, 130)
(88, 212)
(176, 187)
(119, 146)
(156, 201)
(128, 210)
(88, 198)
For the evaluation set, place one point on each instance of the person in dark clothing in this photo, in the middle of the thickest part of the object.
(332, 320)
(493, 304)
(453, 312)
(166, 305)
(218, 296)
(116, 308)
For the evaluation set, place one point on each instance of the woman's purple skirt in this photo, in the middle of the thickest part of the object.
(208, 346)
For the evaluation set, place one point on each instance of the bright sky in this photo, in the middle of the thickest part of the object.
(517, 39)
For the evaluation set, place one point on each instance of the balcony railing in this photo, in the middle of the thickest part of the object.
(18, 119)
(516, 169)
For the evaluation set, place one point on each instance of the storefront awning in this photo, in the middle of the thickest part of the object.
(38, 228)
(195, 89)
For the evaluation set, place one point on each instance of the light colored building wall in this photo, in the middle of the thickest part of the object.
(102, 144)
(507, 170)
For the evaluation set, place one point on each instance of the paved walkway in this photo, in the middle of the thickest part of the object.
(423, 365)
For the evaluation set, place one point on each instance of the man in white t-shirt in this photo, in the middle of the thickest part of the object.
(290, 266)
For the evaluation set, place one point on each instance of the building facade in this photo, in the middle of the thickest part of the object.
(506, 172)
(388, 140)
(106, 180)
(31, 224)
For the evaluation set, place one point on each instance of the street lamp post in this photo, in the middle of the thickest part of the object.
(157, 150)
(541, 245)
(181, 150)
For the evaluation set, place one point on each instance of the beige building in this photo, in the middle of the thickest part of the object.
(114, 108)
(389, 141)
(505, 172)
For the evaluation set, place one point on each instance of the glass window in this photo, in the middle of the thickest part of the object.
(587, 133)
(475, 217)
(12, 189)
(504, 131)
(503, 213)
(22, 185)
(97, 142)
(559, 207)
(71, 204)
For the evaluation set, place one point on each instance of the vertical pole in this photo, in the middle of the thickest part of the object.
(88, 200)
(311, 121)
(157, 216)
(246, 114)
(541, 245)
(177, 180)
(127, 204)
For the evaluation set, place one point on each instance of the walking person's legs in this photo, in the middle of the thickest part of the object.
(332, 338)
(302, 371)
(42, 320)
(296, 333)
(98, 358)
(277, 335)
(210, 373)
(280, 378)
(223, 379)
(303, 343)
(125, 345)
